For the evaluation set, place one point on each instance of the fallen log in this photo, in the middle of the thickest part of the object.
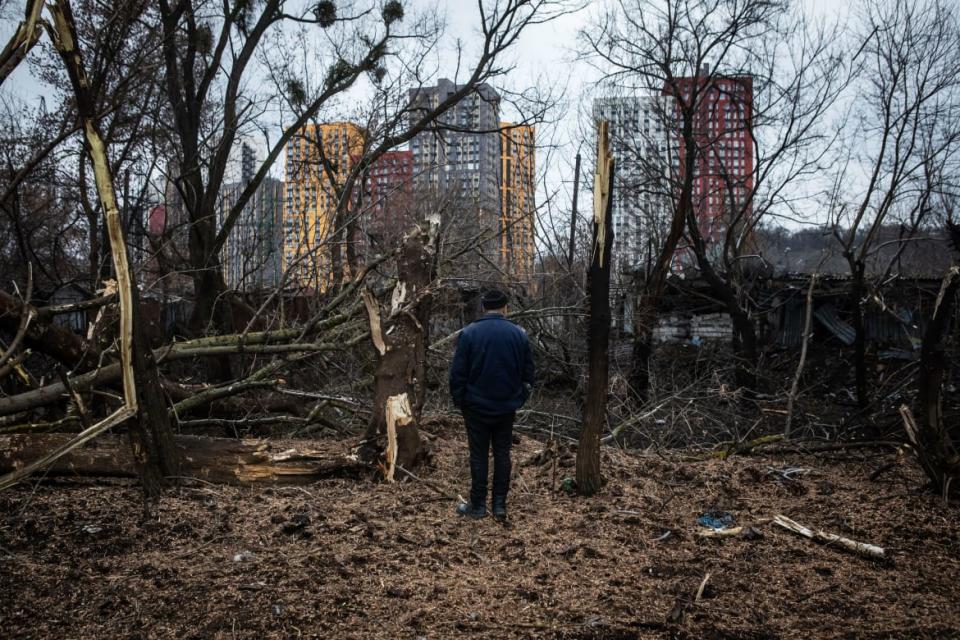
(110, 373)
(830, 539)
(218, 460)
(44, 336)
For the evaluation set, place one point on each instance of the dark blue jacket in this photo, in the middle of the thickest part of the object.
(492, 369)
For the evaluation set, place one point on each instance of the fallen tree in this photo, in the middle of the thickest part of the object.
(219, 460)
(44, 336)
(264, 342)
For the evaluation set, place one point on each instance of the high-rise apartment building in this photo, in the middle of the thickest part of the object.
(515, 243)
(457, 162)
(252, 253)
(640, 203)
(723, 178)
(318, 160)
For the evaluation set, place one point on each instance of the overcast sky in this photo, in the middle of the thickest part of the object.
(544, 57)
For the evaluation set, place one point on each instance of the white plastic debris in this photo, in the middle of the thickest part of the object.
(244, 556)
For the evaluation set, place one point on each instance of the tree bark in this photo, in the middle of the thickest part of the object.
(400, 340)
(807, 322)
(152, 439)
(858, 290)
(598, 290)
(745, 339)
(571, 249)
(938, 453)
(648, 300)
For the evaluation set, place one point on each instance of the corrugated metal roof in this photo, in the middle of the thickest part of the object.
(883, 327)
(791, 329)
(826, 314)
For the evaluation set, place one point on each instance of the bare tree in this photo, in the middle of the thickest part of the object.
(903, 143)
(753, 72)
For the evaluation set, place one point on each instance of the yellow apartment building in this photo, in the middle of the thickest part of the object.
(516, 244)
(318, 160)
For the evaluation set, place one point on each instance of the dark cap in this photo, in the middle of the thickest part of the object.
(494, 299)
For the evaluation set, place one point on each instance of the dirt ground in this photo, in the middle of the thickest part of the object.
(357, 559)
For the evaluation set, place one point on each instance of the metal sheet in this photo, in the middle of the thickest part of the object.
(826, 314)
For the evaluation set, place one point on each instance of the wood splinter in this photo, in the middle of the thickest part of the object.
(703, 586)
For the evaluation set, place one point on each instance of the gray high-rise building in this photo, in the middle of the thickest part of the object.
(640, 207)
(458, 160)
(253, 251)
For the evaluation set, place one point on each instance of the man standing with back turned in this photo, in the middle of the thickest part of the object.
(490, 378)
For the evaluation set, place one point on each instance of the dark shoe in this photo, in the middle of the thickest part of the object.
(467, 509)
(500, 508)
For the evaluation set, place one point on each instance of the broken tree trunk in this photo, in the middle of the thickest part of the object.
(399, 336)
(220, 460)
(598, 289)
(150, 433)
(23, 39)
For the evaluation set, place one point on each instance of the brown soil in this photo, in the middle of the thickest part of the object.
(357, 559)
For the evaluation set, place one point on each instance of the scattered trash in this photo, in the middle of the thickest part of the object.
(91, 529)
(244, 556)
(568, 485)
(277, 610)
(716, 519)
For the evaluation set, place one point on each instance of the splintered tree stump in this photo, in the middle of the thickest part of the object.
(399, 334)
(598, 338)
(218, 460)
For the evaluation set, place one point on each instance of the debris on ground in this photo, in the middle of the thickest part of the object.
(393, 560)
(864, 549)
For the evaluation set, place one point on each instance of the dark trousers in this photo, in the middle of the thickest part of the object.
(482, 431)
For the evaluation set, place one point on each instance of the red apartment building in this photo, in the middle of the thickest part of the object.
(723, 178)
(390, 198)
